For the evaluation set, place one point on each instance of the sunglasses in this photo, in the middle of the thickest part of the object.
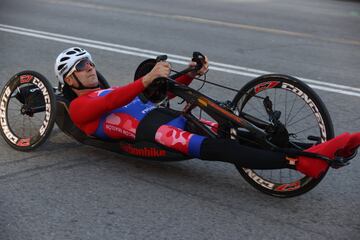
(80, 66)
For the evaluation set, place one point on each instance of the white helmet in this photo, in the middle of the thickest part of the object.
(67, 59)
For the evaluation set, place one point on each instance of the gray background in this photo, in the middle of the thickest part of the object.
(65, 190)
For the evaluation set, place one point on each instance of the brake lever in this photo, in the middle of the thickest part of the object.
(199, 58)
(161, 58)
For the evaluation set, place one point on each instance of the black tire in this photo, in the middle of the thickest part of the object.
(22, 94)
(291, 89)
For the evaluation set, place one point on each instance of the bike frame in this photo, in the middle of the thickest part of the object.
(253, 132)
(221, 115)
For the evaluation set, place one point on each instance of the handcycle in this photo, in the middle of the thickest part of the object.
(274, 112)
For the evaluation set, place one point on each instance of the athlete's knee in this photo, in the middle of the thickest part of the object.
(180, 140)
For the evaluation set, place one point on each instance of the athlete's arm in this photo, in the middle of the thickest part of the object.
(184, 79)
(187, 78)
(85, 109)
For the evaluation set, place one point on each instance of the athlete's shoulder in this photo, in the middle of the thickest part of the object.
(101, 92)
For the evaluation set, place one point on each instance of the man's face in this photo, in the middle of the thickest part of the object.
(86, 73)
(88, 78)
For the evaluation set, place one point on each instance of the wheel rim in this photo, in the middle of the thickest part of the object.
(301, 118)
(25, 111)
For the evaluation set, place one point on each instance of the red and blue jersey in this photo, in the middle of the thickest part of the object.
(115, 113)
(89, 110)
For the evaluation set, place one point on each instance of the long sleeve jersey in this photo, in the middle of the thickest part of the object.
(113, 112)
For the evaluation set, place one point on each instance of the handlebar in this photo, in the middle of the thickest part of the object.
(157, 90)
(197, 57)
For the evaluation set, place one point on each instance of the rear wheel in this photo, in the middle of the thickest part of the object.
(305, 118)
(27, 111)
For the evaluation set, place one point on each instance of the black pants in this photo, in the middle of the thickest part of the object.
(213, 149)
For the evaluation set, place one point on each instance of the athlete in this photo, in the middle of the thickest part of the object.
(118, 113)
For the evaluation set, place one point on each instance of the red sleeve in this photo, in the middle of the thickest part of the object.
(85, 109)
(184, 79)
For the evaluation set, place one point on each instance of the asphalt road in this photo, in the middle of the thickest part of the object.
(65, 190)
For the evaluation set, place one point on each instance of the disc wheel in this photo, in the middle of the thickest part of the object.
(27, 111)
(305, 118)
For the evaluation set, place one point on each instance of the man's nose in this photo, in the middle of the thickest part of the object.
(89, 66)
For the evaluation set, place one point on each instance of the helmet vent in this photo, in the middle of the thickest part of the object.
(70, 53)
(60, 67)
(64, 59)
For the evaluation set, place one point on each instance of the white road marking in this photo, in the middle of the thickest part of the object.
(198, 20)
(217, 66)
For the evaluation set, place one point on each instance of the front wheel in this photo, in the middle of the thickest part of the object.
(27, 111)
(305, 118)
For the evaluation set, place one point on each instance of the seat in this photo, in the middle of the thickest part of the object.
(64, 122)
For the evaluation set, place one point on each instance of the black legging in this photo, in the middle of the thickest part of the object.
(230, 150)
(226, 150)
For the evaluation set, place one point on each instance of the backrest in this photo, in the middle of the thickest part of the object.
(64, 122)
